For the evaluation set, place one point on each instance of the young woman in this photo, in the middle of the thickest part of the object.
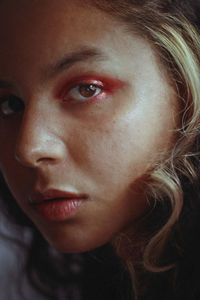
(99, 123)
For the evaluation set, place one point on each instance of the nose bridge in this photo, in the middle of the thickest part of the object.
(37, 141)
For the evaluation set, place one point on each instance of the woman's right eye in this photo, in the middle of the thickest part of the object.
(10, 105)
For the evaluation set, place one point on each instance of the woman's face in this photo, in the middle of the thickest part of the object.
(90, 111)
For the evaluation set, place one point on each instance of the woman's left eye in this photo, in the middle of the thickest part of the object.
(83, 92)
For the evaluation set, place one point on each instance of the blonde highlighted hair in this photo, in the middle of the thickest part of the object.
(158, 246)
(171, 30)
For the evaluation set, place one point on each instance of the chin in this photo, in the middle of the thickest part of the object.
(75, 244)
(68, 248)
(75, 237)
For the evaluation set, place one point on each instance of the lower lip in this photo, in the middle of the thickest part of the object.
(59, 209)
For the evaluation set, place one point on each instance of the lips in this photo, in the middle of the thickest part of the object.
(56, 205)
(53, 195)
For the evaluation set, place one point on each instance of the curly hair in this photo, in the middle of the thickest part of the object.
(169, 234)
(172, 29)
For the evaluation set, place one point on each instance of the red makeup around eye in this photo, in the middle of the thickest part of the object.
(108, 85)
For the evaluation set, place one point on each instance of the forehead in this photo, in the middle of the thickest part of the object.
(36, 34)
(33, 19)
(26, 9)
(40, 29)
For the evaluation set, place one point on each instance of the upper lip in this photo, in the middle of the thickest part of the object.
(53, 194)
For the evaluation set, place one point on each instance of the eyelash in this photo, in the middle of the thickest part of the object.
(19, 105)
(73, 93)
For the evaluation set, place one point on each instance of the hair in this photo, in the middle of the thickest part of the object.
(165, 250)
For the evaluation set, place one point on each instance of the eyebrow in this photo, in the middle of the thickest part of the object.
(82, 54)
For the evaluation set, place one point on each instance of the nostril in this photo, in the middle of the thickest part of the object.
(33, 158)
(47, 160)
(35, 154)
(25, 157)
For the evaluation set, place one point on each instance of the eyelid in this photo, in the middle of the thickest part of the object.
(107, 83)
(74, 94)
(73, 85)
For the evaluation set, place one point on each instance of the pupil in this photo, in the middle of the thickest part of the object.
(87, 90)
(15, 104)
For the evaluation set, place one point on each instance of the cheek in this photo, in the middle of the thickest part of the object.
(18, 179)
(126, 145)
(111, 153)
(8, 134)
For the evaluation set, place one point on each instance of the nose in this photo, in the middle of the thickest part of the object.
(38, 142)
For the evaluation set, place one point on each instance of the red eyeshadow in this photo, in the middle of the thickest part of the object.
(108, 84)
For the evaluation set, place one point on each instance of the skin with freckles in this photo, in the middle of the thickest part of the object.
(85, 107)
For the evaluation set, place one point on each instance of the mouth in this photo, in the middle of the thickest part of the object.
(52, 199)
(56, 205)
